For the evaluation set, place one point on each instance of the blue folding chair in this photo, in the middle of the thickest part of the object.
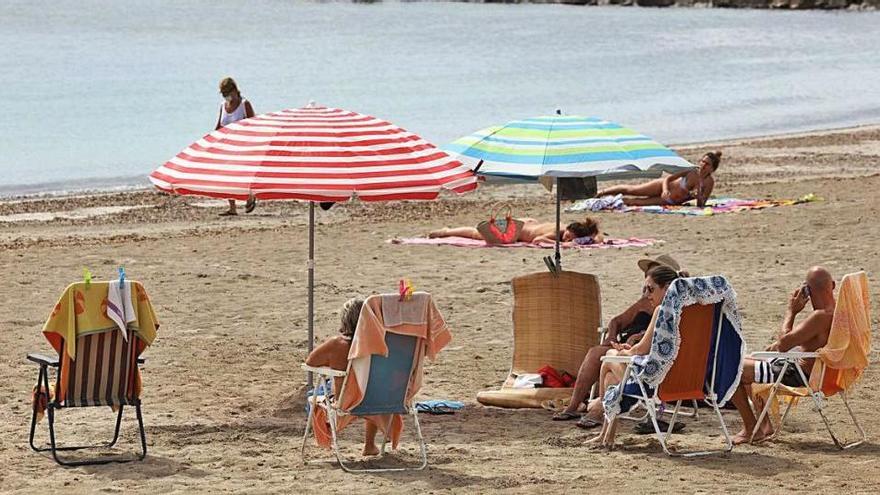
(386, 392)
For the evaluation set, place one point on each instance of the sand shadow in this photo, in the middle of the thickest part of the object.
(151, 467)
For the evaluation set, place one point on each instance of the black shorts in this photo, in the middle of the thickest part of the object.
(768, 372)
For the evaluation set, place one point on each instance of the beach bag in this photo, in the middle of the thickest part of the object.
(505, 230)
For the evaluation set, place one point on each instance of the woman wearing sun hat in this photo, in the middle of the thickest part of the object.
(626, 328)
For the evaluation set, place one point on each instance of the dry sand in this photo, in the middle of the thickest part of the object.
(223, 394)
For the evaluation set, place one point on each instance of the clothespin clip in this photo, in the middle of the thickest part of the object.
(405, 289)
(121, 276)
(87, 277)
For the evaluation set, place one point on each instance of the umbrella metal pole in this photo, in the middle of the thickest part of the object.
(558, 222)
(311, 267)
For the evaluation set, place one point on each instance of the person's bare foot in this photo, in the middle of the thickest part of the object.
(745, 436)
(741, 437)
(370, 450)
(229, 213)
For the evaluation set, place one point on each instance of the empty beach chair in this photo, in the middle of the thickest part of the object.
(96, 365)
(696, 354)
(838, 365)
(556, 320)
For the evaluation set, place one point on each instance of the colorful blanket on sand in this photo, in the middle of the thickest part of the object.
(474, 243)
(713, 206)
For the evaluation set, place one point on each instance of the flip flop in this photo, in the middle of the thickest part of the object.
(228, 214)
(250, 204)
(647, 428)
(586, 423)
(565, 416)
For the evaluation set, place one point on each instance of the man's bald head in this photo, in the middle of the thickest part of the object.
(820, 279)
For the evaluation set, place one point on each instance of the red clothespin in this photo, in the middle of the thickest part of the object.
(405, 289)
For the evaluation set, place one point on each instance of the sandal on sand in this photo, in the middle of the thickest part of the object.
(565, 416)
(587, 423)
(228, 214)
(646, 428)
(250, 204)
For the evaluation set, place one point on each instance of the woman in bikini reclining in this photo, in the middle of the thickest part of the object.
(586, 232)
(675, 189)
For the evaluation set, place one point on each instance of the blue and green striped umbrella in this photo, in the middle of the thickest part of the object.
(564, 146)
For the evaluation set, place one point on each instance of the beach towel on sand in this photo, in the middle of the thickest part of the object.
(713, 206)
(369, 340)
(476, 243)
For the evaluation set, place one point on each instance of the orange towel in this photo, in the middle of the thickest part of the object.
(849, 342)
(369, 339)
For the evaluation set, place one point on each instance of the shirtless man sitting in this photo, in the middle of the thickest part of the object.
(535, 232)
(808, 336)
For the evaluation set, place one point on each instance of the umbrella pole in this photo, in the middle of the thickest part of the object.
(311, 266)
(558, 222)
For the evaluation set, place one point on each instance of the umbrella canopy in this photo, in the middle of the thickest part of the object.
(314, 154)
(564, 146)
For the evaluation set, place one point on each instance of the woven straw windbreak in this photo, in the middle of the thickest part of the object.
(556, 320)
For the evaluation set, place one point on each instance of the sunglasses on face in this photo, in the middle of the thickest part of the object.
(648, 289)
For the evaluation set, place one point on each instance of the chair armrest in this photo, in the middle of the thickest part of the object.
(323, 371)
(43, 360)
(783, 355)
(617, 359)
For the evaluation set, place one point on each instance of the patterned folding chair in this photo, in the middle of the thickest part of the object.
(104, 373)
(696, 354)
(97, 363)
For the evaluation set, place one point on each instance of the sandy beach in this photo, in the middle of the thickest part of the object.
(223, 394)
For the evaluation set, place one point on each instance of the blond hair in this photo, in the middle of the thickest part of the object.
(349, 315)
(227, 86)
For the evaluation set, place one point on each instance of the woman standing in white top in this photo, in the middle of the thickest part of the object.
(234, 108)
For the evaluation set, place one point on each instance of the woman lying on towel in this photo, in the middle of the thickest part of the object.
(673, 189)
(656, 282)
(333, 353)
(584, 232)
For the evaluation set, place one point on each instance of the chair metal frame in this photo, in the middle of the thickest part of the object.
(331, 406)
(818, 397)
(649, 402)
(45, 363)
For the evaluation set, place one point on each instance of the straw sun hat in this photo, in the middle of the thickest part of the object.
(664, 259)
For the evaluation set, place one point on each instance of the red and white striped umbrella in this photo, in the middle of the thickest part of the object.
(314, 154)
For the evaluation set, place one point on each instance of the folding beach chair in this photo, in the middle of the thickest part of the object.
(391, 383)
(696, 354)
(556, 320)
(103, 372)
(831, 380)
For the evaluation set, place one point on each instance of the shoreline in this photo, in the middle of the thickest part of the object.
(6, 198)
(837, 5)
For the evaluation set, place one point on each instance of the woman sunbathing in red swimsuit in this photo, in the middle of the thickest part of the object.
(673, 189)
(536, 233)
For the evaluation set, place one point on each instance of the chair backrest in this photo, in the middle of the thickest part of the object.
(104, 372)
(556, 320)
(687, 377)
(389, 377)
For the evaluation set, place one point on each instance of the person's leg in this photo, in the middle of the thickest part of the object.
(652, 201)
(740, 399)
(588, 374)
(370, 431)
(468, 232)
(231, 210)
(648, 189)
